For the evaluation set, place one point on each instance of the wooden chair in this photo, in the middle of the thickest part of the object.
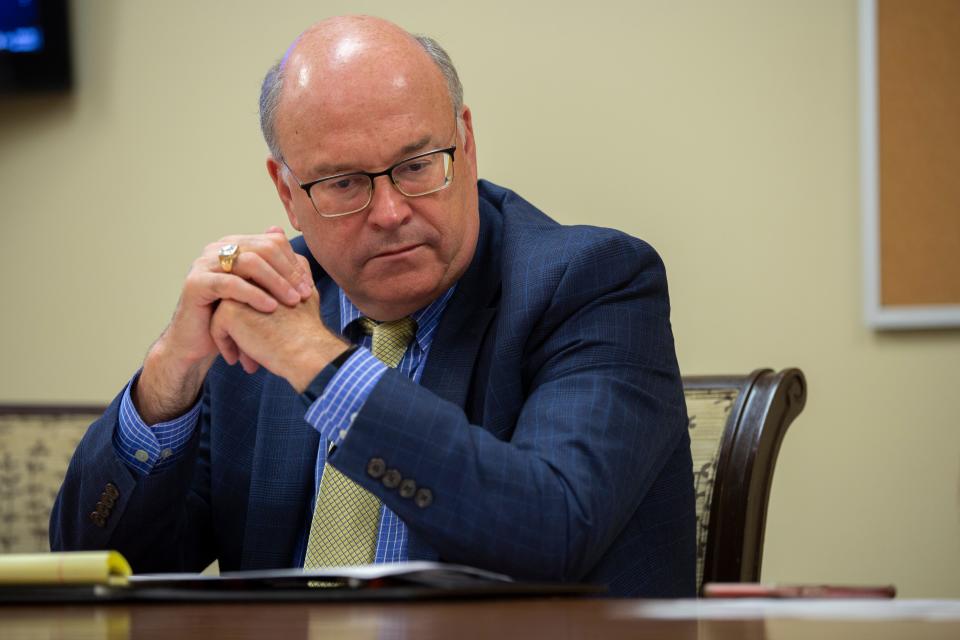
(736, 426)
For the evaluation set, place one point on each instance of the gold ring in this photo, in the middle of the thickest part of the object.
(227, 254)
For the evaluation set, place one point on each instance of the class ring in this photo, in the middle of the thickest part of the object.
(227, 254)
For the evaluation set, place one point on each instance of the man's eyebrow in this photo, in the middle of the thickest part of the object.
(323, 170)
(416, 146)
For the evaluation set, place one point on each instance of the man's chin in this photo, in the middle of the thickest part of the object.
(398, 296)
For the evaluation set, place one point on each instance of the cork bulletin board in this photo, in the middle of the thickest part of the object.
(910, 155)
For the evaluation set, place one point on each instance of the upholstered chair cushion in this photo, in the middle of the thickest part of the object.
(708, 410)
(34, 452)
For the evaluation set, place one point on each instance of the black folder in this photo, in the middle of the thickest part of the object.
(395, 581)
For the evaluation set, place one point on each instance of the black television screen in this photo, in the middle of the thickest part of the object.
(34, 46)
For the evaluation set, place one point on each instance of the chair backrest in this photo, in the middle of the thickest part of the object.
(736, 426)
(36, 443)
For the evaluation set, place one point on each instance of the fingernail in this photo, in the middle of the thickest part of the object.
(304, 288)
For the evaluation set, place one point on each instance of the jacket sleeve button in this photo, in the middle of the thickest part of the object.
(376, 467)
(391, 479)
(423, 498)
(407, 488)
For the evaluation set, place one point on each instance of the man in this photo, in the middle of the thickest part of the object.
(517, 405)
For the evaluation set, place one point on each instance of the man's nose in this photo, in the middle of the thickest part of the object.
(388, 207)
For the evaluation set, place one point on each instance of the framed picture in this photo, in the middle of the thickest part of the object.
(910, 162)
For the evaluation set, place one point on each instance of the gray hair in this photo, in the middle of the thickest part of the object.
(272, 88)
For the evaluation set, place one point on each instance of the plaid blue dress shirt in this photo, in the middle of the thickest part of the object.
(151, 449)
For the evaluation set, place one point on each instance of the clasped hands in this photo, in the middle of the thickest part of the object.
(265, 312)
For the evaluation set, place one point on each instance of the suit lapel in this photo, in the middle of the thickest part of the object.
(453, 354)
(281, 481)
(330, 304)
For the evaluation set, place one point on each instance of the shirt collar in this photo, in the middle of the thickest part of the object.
(426, 318)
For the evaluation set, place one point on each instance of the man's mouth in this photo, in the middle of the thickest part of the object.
(398, 251)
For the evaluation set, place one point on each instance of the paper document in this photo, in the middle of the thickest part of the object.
(435, 574)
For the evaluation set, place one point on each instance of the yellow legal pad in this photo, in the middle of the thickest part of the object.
(64, 567)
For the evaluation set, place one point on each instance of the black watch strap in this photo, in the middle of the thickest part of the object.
(343, 357)
(319, 383)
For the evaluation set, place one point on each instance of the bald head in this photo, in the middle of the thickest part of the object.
(353, 56)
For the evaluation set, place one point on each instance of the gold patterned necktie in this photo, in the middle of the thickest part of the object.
(346, 516)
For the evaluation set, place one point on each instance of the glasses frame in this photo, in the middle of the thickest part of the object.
(373, 175)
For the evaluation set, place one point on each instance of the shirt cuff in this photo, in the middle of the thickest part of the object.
(149, 449)
(349, 386)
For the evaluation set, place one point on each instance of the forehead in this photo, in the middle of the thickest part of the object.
(363, 112)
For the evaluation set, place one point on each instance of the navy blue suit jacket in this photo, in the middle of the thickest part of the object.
(549, 424)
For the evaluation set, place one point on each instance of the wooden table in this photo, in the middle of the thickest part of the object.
(556, 619)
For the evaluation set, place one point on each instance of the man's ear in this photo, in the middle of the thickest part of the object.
(278, 174)
(469, 144)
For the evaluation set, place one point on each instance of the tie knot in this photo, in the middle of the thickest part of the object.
(390, 339)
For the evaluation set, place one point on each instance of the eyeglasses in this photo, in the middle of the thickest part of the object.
(347, 193)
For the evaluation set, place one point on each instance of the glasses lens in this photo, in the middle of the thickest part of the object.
(342, 194)
(423, 175)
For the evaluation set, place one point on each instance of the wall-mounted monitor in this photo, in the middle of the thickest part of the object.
(34, 46)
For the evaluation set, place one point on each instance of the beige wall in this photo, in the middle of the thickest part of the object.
(723, 133)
